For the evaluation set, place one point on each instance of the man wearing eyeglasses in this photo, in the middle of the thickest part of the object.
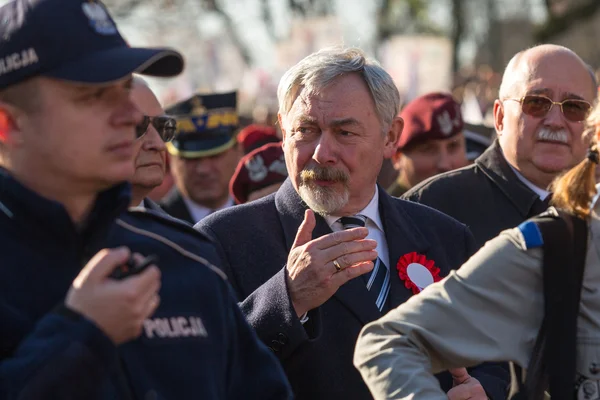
(204, 154)
(545, 96)
(152, 133)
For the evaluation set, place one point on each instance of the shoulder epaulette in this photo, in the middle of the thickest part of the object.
(532, 236)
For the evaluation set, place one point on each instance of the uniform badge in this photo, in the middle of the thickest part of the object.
(417, 271)
(98, 18)
(446, 123)
(257, 171)
(279, 167)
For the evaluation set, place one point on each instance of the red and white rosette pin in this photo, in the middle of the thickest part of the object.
(417, 271)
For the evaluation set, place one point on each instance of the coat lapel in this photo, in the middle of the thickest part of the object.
(403, 236)
(494, 165)
(353, 295)
(174, 205)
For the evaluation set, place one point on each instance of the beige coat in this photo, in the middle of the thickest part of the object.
(489, 310)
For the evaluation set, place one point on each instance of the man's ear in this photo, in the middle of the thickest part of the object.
(392, 137)
(498, 116)
(10, 129)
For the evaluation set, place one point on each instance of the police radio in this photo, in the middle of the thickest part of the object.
(132, 268)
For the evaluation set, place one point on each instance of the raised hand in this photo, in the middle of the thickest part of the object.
(312, 275)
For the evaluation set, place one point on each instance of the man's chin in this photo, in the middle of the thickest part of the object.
(323, 201)
(555, 166)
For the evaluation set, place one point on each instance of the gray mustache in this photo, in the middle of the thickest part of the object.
(324, 174)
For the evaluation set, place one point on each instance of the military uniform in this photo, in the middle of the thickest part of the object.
(206, 127)
(490, 309)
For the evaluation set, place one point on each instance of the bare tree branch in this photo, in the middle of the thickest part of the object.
(559, 24)
(457, 32)
(268, 18)
(233, 32)
(549, 9)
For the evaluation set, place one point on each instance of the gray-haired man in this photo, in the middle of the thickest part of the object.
(308, 274)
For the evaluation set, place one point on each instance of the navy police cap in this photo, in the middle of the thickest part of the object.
(206, 125)
(73, 40)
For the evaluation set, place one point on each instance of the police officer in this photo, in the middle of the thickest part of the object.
(70, 329)
(489, 309)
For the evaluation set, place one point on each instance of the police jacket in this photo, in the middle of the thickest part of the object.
(196, 345)
(487, 196)
(489, 309)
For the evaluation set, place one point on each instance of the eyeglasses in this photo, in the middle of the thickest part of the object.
(164, 125)
(539, 106)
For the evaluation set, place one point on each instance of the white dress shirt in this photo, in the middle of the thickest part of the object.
(537, 190)
(374, 224)
(198, 212)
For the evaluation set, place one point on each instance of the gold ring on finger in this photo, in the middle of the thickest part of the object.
(337, 265)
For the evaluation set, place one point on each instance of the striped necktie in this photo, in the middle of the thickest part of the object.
(378, 281)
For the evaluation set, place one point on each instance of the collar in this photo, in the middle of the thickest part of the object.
(538, 190)
(371, 211)
(397, 222)
(493, 164)
(198, 212)
(50, 219)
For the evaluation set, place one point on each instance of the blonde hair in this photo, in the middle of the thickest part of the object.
(574, 190)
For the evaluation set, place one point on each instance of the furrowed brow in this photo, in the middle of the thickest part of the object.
(337, 123)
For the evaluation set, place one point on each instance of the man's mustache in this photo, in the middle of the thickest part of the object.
(323, 174)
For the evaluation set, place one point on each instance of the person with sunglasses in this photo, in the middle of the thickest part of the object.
(546, 94)
(516, 299)
(152, 133)
(99, 300)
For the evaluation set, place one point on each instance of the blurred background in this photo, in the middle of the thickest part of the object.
(456, 45)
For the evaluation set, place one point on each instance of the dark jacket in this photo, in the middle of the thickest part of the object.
(254, 240)
(196, 345)
(174, 205)
(152, 206)
(487, 196)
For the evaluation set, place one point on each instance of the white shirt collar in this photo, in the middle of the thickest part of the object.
(198, 212)
(371, 211)
(537, 190)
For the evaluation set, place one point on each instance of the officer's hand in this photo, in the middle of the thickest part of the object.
(465, 386)
(312, 275)
(119, 308)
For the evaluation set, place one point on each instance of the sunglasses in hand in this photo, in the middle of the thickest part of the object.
(539, 106)
(164, 125)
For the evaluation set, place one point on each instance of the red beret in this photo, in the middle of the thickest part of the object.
(431, 116)
(254, 136)
(256, 170)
